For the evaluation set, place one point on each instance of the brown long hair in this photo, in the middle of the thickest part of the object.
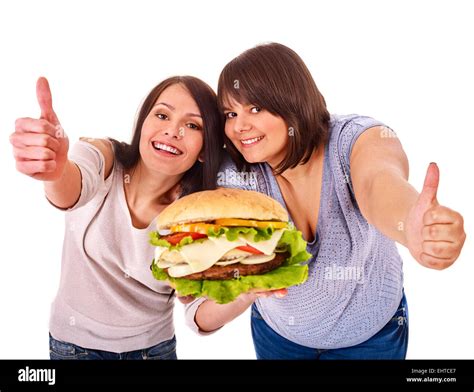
(273, 77)
(201, 176)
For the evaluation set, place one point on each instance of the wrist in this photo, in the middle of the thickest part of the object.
(247, 298)
(63, 173)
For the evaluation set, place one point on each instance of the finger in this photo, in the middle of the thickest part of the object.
(436, 263)
(440, 215)
(440, 232)
(186, 299)
(35, 167)
(34, 153)
(45, 100)
(280, 293)
(440, 249)
(28, 139)
(430, 186)
(34, 125)
(263, 294)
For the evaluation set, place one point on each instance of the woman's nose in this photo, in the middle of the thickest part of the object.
(242, 125)
(174, 131)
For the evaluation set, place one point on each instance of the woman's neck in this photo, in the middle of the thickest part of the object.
(304, 172)
(145, 187)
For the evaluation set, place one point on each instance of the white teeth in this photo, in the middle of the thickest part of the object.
(165, 147)
(250, 141)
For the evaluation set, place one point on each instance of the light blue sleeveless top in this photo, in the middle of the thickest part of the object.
(355, 275)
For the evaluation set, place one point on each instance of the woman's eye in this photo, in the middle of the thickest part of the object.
(194, 126)
(162, 116)
(230, 115)
(255, 109)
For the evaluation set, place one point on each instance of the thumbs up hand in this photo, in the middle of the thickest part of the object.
(435, 234)
(40, 146)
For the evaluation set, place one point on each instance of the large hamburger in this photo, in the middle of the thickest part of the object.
(225, 242)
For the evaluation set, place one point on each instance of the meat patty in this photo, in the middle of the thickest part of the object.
(233, 271)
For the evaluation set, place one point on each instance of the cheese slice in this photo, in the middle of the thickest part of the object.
(229, 262)
(158, 252)
(179, 270)
(258, 259)
(267, 246)
(202, 255)
(165, 263)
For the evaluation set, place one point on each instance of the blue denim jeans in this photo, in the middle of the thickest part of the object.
(390, 342)
(63, 350)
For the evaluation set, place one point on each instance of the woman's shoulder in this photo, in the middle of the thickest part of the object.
(105, 148)
(340, 121)
(345, 129)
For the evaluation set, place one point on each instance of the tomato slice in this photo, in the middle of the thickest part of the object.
(175, 238)
(251, 223)
(250, 249)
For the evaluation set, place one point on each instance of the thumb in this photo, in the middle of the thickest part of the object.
(45, 100)
(430, 186)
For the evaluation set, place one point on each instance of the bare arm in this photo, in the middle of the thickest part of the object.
(65, 191)
(379, 173)
(40, 148)
(434, 234)
(211, 316)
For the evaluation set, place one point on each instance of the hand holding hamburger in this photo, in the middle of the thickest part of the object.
(226, 242)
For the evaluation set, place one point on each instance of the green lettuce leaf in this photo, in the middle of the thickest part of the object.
(232, 233)
(296, 246)
(157, 240)
(225, 291)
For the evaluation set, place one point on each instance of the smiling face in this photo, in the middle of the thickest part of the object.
(294, 120)
(172, 136)
(259, 135)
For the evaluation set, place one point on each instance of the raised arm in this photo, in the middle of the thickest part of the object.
(40, 148)
(433, 234)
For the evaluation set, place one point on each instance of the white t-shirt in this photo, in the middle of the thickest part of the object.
(108, 298)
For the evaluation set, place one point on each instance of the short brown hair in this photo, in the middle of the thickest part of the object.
(273, 77)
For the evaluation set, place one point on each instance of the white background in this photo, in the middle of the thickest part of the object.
(407, 63)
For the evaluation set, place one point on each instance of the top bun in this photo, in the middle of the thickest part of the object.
(221, 203)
